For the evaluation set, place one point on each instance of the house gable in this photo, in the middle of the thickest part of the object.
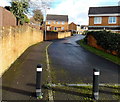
(57, 22)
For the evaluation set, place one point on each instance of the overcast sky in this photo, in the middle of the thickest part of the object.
(77, 10)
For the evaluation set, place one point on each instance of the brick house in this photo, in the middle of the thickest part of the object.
(57, 22)
(7, 18)
(72, 27)
(81, 29)
(107, 18)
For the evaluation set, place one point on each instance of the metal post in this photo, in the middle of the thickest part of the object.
(96, 73)
(38, 81)
(45, 24)
(45, 16)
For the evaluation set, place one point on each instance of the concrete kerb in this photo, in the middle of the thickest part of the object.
(50, 93)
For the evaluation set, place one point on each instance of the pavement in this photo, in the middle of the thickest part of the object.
(18, 83)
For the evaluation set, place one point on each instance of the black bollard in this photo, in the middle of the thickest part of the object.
(38, 81)
(96, 73)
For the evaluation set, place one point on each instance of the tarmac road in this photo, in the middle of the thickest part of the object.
(70, 63)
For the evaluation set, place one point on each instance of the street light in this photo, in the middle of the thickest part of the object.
(45, 19)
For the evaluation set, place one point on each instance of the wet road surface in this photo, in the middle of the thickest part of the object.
(71, 63)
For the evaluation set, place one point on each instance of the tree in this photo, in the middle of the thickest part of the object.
(38, 16)
(24, 19)
(7, 7)
(42, 5)
(19, 8)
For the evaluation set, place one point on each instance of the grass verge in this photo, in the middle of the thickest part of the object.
(114, 59)
(107, 93)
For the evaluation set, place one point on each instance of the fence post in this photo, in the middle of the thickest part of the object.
(96, 73)
(38, 81)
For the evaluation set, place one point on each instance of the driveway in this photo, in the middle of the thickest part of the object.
(70, 63)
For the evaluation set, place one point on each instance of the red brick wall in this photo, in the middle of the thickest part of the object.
(7, 18)
(72, 26)
(104, 21)
(93, 42)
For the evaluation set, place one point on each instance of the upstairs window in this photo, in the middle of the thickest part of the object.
(63, 22)
(112, 20)
(58, 22)
(49, 22)
(97, 20)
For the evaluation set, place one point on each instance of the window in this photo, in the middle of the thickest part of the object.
(58, 22)
(55, 28)
(62, 28)
(48, 28)
(63, 22)
(49, 22)
(54, 22)
(112, 20)
(97, 20)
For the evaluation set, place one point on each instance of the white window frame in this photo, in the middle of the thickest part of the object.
(97, 20)
(63, 28)
(58, 22)
(49, 22)
(111, 20)
(48, 27)
(63, 22)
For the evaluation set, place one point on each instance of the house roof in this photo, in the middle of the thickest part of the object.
(72, 23)
(104, 10)
(57, 17)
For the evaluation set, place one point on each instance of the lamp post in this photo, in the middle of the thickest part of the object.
(45, 16)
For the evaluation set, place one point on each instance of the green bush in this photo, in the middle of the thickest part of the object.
(106, 39)
(24, 19)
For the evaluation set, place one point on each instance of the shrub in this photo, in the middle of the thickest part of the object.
(106, 39)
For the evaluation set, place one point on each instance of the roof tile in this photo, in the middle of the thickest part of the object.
(104, 10)
(57, 17)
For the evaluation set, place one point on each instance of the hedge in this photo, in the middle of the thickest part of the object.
(106, 39)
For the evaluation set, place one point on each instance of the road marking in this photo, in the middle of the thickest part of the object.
(50, 93)
(55, 85)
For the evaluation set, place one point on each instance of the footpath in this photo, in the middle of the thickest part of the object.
(18, 83)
